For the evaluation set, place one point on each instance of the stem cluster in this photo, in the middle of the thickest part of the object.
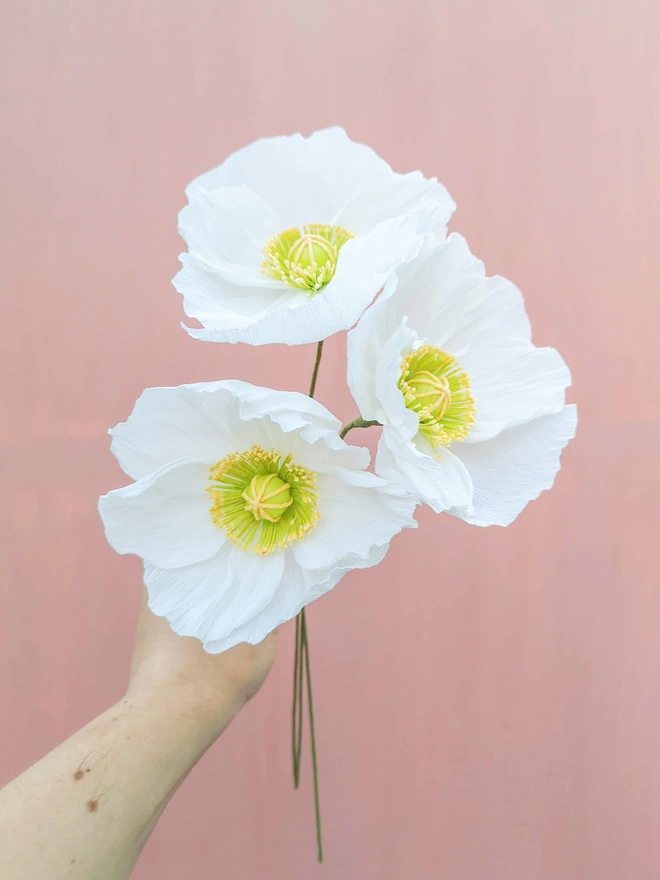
(301, 663)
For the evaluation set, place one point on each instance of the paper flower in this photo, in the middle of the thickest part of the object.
(247, 505)
(473, 413)
(290, 239)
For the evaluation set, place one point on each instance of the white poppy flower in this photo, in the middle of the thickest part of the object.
(247, 505)
(290, 239)
(473, 413)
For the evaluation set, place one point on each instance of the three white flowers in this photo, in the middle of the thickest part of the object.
(246, 503)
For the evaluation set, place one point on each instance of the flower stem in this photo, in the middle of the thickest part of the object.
(301, 662)
(317, 364)
(301, 670)
(297, 714)
(357, 423)
(312, 736)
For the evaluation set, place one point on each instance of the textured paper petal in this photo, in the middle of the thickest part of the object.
(358, 512)
(392, 406)
(515, 467)
(206, 421)
(164, 517)
(389, 195)
(226, 296)
(188, 421)
(442, 482)
(213, 598)
(297, 588)
(192, 598)
(305, 180)
(512, 382)
(229, 227)
(449, 300)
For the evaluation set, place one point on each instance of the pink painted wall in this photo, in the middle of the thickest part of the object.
(488, 701)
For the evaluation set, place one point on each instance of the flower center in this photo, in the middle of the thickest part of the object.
(267, 497)
(262, 500)
(305, 256)
(435, 387)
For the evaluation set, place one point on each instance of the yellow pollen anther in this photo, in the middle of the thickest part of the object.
(305, 256)
(431, 390)
(312, 251)
(262, 500)
(435, 386)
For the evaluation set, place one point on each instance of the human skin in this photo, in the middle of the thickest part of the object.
(87, 808)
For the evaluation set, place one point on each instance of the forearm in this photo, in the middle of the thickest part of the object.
(87, 808)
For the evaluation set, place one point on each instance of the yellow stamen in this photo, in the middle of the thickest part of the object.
(305, 256)
(262, 500)
(435, 386)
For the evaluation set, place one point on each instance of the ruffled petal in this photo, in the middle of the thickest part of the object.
(449, 300)
(256, 578)
(392, 408)
(188, 421)
(192, 597)
(199, 599)
(320, 455)
(363, 353)
(164, 518)
(389, 195)
(297, 588)
(306, 180)
(358, 511)
(227, 296)
(370, 346)
(297, 424)
(285, 603)
(213, 598)
(511, 382)
(514, 468)
(229, 227)
(208, 420)
(441, 481)
(292, 410)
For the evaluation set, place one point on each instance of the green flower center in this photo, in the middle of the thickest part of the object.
(305, 256)
(262, 500)
(435, 387)
(267, 497)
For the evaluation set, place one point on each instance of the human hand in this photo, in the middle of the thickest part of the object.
(213, 687)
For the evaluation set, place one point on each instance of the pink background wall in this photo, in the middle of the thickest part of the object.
(488, 701)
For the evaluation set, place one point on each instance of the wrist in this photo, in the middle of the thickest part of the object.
(174, 675)
(194, 708)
